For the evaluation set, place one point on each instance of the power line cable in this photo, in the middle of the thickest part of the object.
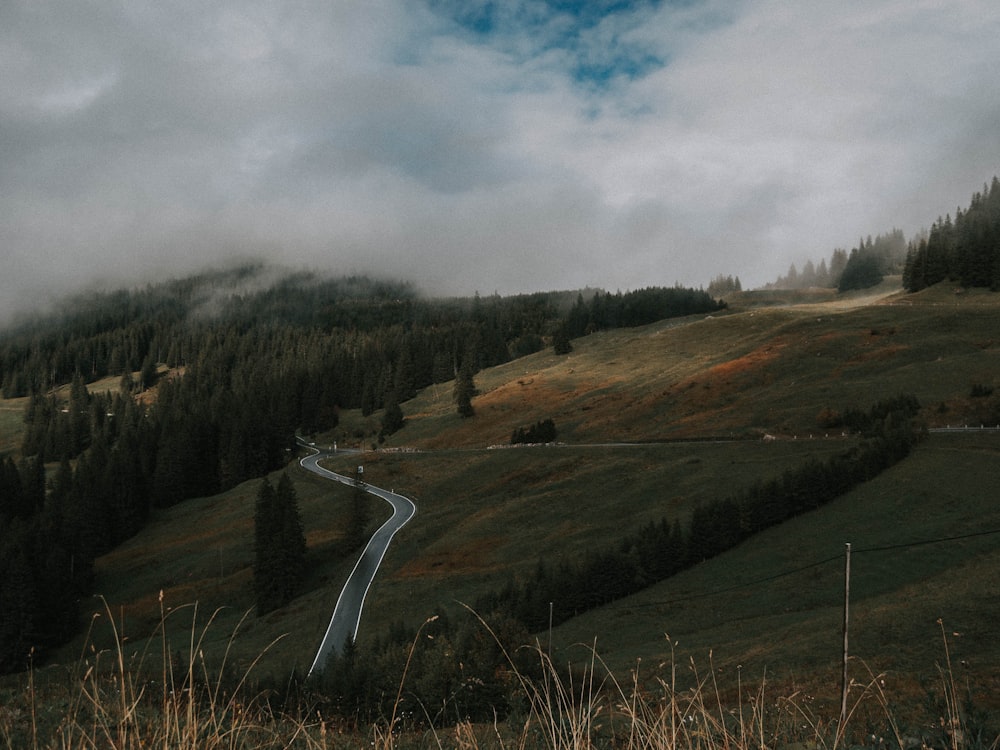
(737, 587)
(925, 542)
(800, 569)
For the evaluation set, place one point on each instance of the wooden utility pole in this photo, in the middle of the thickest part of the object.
(847, 604)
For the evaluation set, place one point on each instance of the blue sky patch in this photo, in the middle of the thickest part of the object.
(590, 31)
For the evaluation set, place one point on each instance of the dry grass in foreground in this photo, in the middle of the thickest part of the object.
(106, 702)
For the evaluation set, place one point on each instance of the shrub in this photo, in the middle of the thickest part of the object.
(543, 431)
(979, 390)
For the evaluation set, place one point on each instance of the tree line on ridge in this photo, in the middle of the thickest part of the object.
(963, 249)
(461, 669)
(238, 370)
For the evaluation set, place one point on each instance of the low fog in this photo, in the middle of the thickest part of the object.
(466, 147)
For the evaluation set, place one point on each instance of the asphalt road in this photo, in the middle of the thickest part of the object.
(347, 614)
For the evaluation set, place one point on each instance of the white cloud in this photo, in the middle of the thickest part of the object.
(385, 136)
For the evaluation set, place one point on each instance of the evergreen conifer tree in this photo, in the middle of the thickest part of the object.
(12, 502)
(292, 541)
(392, 417)
(147, 375)
(264, 549)
(279, 545)
(18, 600)
(465, 388)
(560, 341)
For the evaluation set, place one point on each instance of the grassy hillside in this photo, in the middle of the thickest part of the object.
(747, 373)
(11, 424)
(483, 514)
(766, 606)
(201, 552)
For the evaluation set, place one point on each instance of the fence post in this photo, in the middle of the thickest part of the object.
(847, 604)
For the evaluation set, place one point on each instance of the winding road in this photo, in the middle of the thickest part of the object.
(347, 613)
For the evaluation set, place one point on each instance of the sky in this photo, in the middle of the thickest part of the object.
(480, 145)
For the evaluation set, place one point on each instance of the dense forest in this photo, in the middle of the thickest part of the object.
(964, 250)
(213, 376)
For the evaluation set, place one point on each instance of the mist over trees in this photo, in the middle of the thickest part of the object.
(213, 376)
(964, 250)
(864, 266)
(605, 310)
(721, 285)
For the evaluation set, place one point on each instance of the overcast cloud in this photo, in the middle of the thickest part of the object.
(494, 146)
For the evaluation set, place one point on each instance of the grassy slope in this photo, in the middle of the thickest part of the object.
(792, 624)
(761, 370)
(201, 551)
(11, 424)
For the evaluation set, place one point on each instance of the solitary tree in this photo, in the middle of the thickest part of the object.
(293, 537)
(392, 417)
(560, 341)
(147, 375)
(465, 388)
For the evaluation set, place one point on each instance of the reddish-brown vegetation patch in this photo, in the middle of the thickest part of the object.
(319, 537)
(476, 555)
(565, 530)
(877, 355)
(517, 403)
(749, 364)
(148, 396)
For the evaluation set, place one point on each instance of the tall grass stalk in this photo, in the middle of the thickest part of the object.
(384, 737)
(581, 710)
(116, 705)
(110, 702)
(955, 725)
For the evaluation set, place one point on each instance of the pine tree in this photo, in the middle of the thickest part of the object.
(79, 416)
(265, 563)
(576, 321)
(560, 341)
(465, 388)
(392, 417)
(61, 487)
(18, 600)
(147, 375)
(292, 542)
(279, 545)
(861, 272)
(838, 261)
(128, 498)
(12, 502)
(32, 472)
(404, 381)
